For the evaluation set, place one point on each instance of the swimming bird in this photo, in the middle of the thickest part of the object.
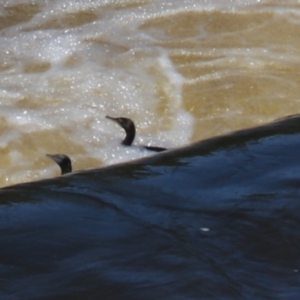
(63, 161)
(129, 127)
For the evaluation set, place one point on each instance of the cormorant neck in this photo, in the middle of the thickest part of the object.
(63, 161)
(66, 169)
(130, 135)
(129, 127)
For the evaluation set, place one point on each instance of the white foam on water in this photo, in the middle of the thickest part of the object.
(182, 124)
(62, 77)
(75, 97)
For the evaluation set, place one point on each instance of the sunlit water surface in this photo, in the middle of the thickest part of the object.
(218, 219)
(182, 70)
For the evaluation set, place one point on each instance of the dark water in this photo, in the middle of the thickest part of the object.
(216, 220)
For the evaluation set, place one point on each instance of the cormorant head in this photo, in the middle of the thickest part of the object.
(128, 126)
(63, 161)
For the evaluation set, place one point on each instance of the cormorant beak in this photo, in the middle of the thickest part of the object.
(111, 118)
(58, 158)
(114, 119)
(53, 156)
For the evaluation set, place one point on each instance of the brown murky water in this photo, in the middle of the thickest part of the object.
(183, 70)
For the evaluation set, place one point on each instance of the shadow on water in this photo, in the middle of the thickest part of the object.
(216, 220)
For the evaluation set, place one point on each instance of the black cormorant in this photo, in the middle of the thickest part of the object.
(129, 128)
(63, 161)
